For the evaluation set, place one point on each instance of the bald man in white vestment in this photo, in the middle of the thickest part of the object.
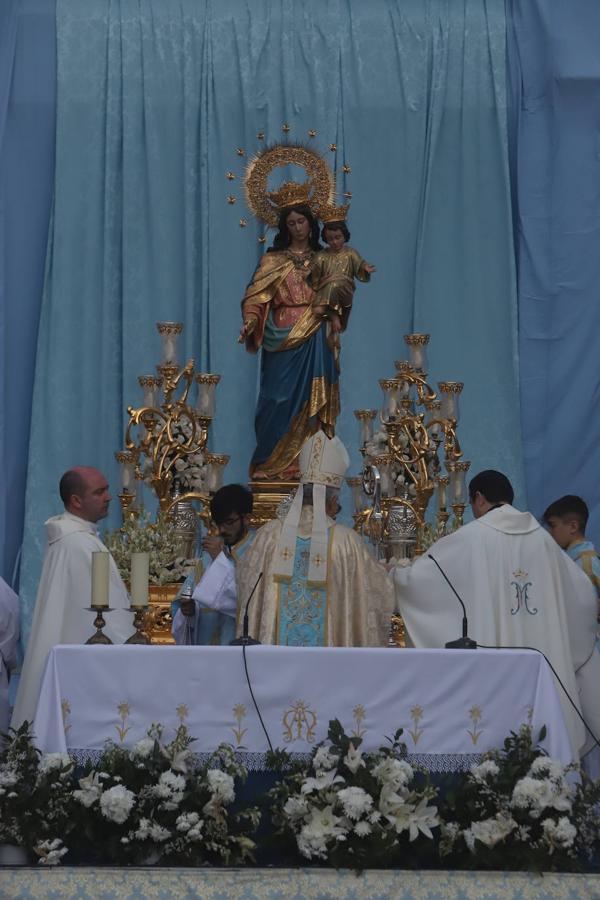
(62, 613)
(9, 639)
(519, 590)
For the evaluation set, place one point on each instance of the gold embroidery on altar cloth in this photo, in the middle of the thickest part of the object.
(65, 707)
(239, 714)
(299, 723)
(416, 714)
(475, 715)
(124, 710)
(182, 713)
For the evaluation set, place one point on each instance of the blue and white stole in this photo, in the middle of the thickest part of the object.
(301, 610)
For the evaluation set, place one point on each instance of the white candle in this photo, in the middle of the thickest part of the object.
(140, 566)
(100, 572)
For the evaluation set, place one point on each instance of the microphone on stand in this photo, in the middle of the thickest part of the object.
(245, 640)
(464, 642)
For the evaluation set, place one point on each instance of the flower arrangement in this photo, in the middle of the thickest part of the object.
(520, 809)
(355, 810)
(36, 803)
(148, 803)
(159, 539)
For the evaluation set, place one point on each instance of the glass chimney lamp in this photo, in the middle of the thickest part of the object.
(384, 466)
(150, 385)
(365, 418)
(457, 489)
(216, 463)
(206, 401)
(450, 391)
(169, 332)
(434, 411)
(355, 483)
(417, 351)
(126, 460)
(391, 401)
(442, 483)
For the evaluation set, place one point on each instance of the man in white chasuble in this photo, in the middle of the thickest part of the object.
(320, 586)
(519, 590)
(62, 613)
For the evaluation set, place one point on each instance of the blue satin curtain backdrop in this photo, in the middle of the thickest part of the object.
(153, 97)
(555, 68)
(152, 101)
(27, 115)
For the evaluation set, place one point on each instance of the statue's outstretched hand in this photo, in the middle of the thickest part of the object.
(370, 268)
(246, 329)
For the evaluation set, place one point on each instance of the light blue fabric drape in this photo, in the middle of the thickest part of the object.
(153, 98)
(555, 72)
(27, 110)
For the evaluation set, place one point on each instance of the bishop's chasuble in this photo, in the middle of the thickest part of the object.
(352, 609)
(520, 590)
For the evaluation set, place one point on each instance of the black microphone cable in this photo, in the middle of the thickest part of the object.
(556, 675)
(254, 699)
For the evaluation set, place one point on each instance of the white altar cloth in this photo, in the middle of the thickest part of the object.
(452, 704)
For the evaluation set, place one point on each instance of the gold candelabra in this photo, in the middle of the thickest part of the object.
(167, 435)
(404, 459)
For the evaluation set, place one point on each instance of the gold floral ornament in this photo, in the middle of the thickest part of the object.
(239, 714)
(475, 715)
(123, 709)
(231, 199)
(182, 712)
(312, 133)
(416, 715)
(231, 176)
(318, 190)
(358, 714)
(286, 128)
(346, 169)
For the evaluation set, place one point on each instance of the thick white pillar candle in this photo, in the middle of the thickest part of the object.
(100, 575)
(140, 567)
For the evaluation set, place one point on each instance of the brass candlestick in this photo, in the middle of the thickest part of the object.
(99, 623)
(139, 636)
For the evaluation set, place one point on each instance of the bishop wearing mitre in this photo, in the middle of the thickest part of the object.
(320, 585)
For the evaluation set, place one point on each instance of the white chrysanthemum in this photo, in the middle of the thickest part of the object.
(158, 833)
(51, 761)
(220, 785)
(355, 801)
(559, 835)
(323, 760)
(362, 829)
(548, 768)
(296, 807)
(488, 768)
(393, 772)
(353, 759)
(538, 794)
(116, 803)
(186, 821)
(143, 748)
(491, 831)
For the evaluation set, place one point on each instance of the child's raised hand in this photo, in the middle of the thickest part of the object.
(370, 268)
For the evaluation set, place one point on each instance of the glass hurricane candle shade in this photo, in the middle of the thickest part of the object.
(365, 418)
(359, 501)
(390, 403)
(169, 332)
(216, 465)
(417, 356)
(457, 488)
(127, 464)
(206, 402)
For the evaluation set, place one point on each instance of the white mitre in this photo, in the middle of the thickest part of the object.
(323, 462)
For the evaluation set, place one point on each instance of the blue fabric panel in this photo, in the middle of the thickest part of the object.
(27, 112)
(555, 72)
(153, 99)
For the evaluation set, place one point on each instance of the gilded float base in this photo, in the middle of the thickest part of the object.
(158, 619)
(268, 495)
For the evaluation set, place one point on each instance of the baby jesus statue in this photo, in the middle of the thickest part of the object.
(332, 272)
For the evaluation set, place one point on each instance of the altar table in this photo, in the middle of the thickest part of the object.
(452, 704)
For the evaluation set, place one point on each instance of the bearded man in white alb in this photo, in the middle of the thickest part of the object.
(62, 613)
(519, 590)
